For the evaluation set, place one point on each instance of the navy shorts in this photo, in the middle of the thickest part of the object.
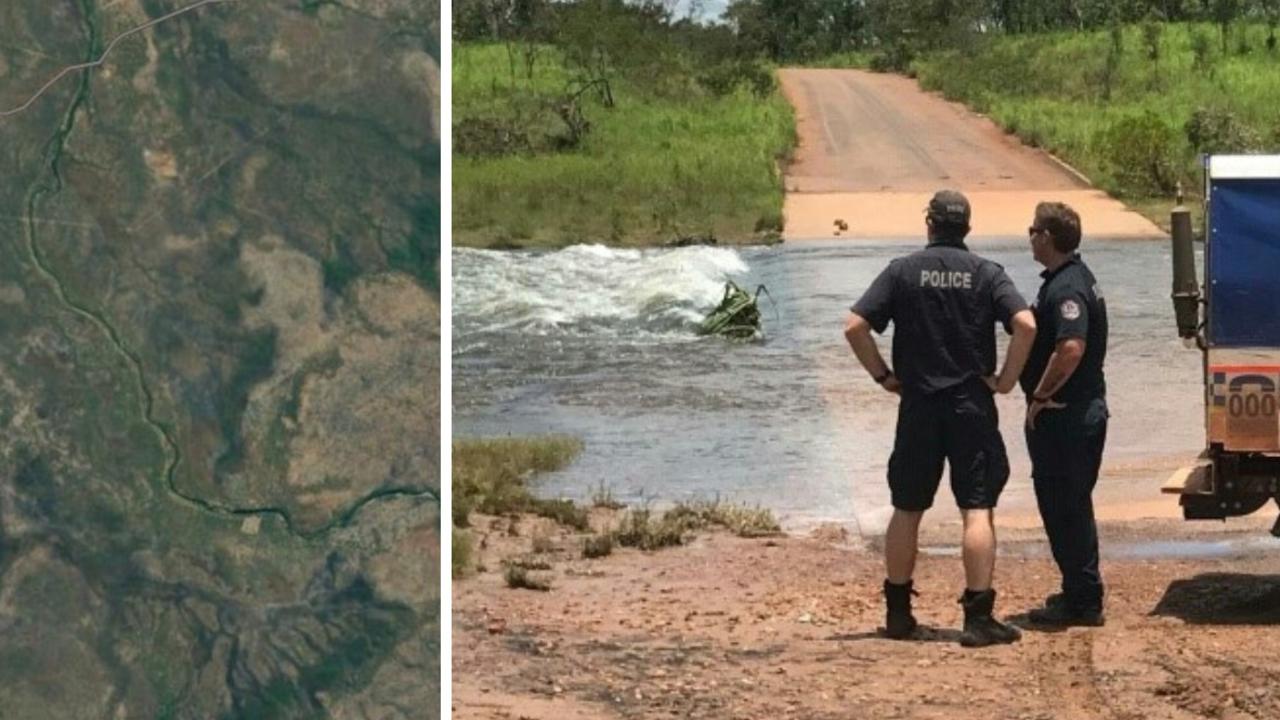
(959, 425)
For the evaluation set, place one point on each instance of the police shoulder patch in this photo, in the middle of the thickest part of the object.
(1070, 310)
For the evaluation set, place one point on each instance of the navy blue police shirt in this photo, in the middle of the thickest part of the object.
(944, 302)
(1070, 305)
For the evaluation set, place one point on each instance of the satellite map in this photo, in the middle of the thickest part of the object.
(219, 359)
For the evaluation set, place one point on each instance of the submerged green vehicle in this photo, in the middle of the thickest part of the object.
(737, 316)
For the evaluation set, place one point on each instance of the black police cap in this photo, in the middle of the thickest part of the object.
(949, 206)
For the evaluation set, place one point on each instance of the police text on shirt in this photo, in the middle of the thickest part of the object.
(946, 279)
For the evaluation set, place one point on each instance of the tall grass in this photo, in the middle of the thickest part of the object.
(1059, 91)
(657, 165)
(491, 476)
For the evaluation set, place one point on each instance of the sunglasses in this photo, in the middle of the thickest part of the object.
(1035, 230)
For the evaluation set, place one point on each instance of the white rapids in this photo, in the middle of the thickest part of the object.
(591, 288)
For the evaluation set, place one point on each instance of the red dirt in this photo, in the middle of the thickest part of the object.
(787, 627)
(873, 148)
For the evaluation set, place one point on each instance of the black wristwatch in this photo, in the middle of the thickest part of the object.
(880, 380)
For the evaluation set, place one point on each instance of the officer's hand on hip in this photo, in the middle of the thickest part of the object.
(1038, 406)
(999, 386)
(892, 384)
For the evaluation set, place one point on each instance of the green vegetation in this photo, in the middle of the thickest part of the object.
(462, 551)
(603, 121)
(643, 530)
(597, 546)
(618, 122)
(521, 577)
(165, 379)
(491, 477)
(1131, 92)
(742, 521)
(1132, 107)
(651, 168)
(602, 497)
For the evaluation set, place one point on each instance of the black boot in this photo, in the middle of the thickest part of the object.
(1058, 612)
(899, 623)
(980, 627)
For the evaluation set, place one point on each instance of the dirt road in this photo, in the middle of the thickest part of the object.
(727, 628)
(874, 147)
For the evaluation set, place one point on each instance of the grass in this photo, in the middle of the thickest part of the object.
(1125, 123)
(643, 530)
(527, 573)
(750, 522)
(854, 59)
(597, 546)
(491, 476)
(543, 543)
(462, 552)
(602, 497)
(651, 168)
(519, 577)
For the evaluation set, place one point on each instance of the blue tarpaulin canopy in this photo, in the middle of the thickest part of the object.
(1244, 262)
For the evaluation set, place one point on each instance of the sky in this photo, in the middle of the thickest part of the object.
(711, 8)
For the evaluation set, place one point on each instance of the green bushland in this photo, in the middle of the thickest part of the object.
(491, 476)
(686, 152)
(1131, 107)
(855, 59)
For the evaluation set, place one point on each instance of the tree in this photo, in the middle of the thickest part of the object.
(1152, 29)
(1224, 13)
(601, 39)
(798, 29)
(524, 26)
(1271, 11)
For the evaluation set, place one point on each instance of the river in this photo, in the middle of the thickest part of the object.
(599, 343)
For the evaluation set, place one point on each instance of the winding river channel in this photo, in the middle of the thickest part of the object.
(50, 185)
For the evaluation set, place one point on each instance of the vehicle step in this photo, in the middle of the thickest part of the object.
(1194, 479)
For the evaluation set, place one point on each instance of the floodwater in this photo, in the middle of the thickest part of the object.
(599, 343)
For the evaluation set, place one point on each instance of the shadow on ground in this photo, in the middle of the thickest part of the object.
(924, 633)
(1223, 599)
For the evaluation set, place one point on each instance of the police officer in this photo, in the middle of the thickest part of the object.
(944, 302)
(1066, 424)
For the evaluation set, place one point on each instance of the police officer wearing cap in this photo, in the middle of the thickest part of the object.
(1066, 425)
(944, 302)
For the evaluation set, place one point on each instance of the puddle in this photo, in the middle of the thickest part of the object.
(1145, 550)
(1194, 548)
